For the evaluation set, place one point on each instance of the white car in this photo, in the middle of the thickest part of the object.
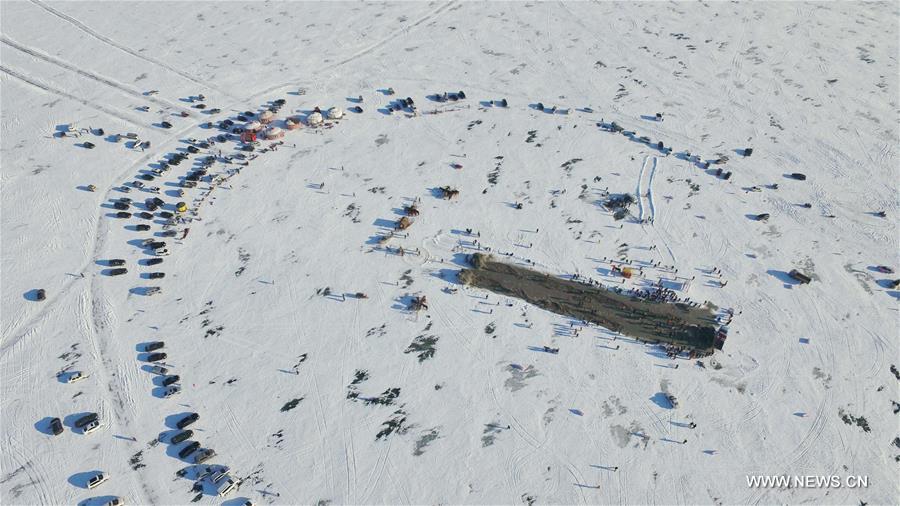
(91, 427)
(96, 480)
(228, 486)
(75, 376)
(115, 501)
(158, 369)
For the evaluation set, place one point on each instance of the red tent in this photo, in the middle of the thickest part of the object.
(248, 137)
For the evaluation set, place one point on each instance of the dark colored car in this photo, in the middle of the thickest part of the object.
(153, 261)
(143, 227)
(193, 149)
(799, 276)
(156, 244)
(121, 205)
(189, 449)
(181, 436)
(118, 271)
(145, 215)
(156, 275)
(168, 380)
(41, 294)
(123, 214)
(156, 357)
(115, 262)
(155, 345)
(146, 177)
(165, 214)
(187, 420)
(158, 201)
(86, 419)
(56, 426)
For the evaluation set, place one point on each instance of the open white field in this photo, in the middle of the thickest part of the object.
(310, 395)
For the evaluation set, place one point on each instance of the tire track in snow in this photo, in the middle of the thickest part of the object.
(90, 75)
(88, 30)
(359, 53)
(55, 91)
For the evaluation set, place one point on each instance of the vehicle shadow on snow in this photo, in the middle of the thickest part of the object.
(97, 501)
(80, 480)
(43, 425)
(662, 401)
(784, 277)
(31, 295)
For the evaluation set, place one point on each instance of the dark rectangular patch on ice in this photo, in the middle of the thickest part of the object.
(674, 323)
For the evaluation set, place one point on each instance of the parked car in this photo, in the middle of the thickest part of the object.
(91, 427)
(96, 480)
(187, 420)
(172, 390)
(156, 275)
(168, 380)
(153, 261)
(228, 486)
(122, 206)
(143, 227)
(219, 475)
(115, 262)
(118, 271)
(181, 437)
(56, 426)
(123, 214)
(799, 276)
(158, 369)
(153, 346)
(86, 419)
(75, 376)
(115, 501)
(156, 357)
(189, 449)
(204, 455)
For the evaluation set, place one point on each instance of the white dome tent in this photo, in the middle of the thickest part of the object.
(274, 133)
(335, 113)
(315, 119)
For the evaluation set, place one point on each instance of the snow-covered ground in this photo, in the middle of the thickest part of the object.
(804, 385)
